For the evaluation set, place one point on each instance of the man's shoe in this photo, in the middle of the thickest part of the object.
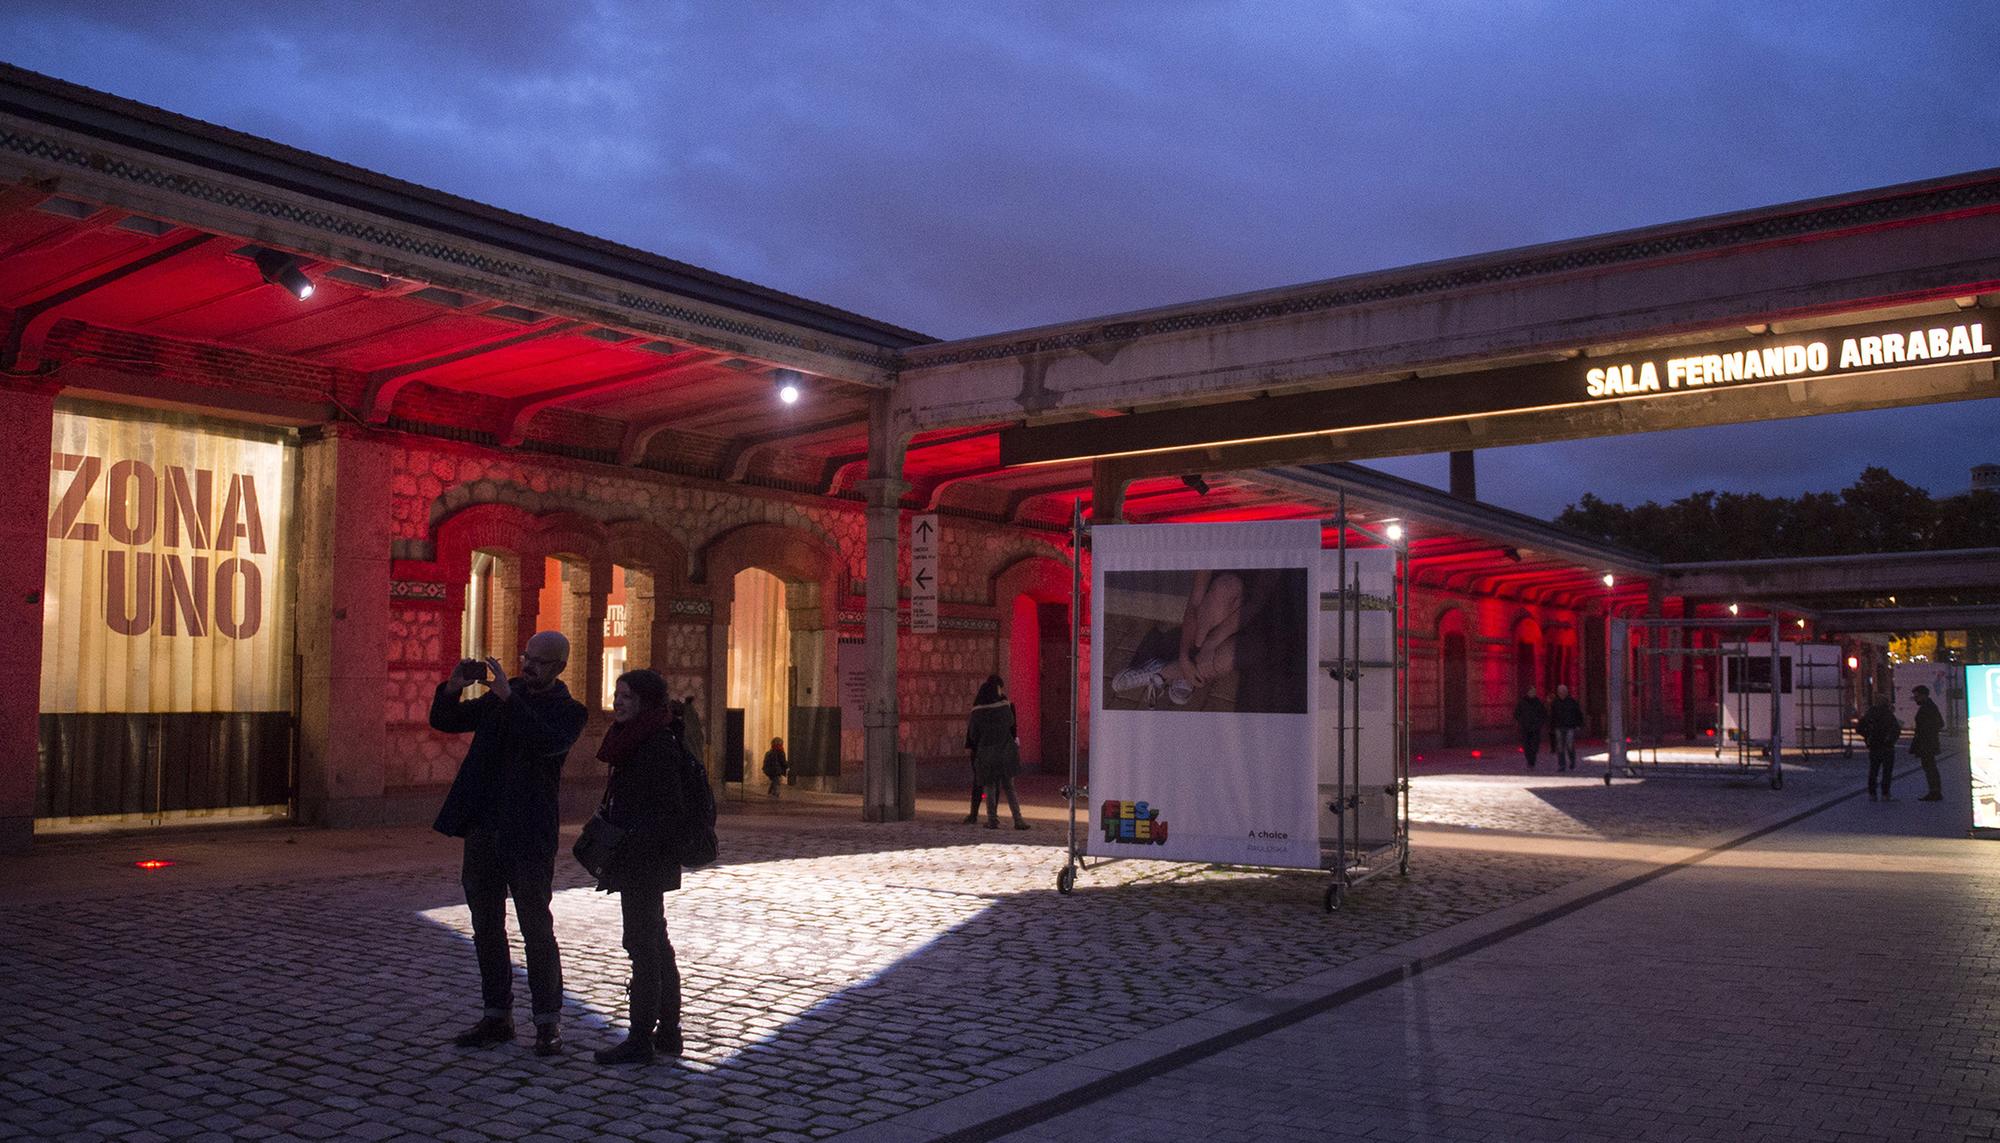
(633, 1049)
(667, 1040)
(972, 819)
(992, 823)
(548, 1040)
(1888, 798)
(1019, 824)
(1871, 795)
(1932, 798)
(489, 1030)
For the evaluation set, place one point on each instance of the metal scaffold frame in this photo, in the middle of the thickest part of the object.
(1349, 856)
(1620, 654)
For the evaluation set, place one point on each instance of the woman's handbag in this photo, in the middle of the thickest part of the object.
(597, 844)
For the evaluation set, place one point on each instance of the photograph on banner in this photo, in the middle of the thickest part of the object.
(1982, 706)
(1216, 640)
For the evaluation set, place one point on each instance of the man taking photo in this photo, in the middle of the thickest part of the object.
(504, 804)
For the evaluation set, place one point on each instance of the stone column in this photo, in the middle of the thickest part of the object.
(1107, 492)
(1656, 697)
(887, 792)
(343, 625)
(27, 435)
(881, 770)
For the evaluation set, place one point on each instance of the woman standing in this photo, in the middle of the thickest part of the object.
(996, 753)
(645, 797)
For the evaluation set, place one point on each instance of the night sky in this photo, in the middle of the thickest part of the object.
(964, 168)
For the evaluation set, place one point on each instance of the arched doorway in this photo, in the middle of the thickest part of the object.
(1033, 597)
(760, 674)
(1527, 656)
(1454, 682)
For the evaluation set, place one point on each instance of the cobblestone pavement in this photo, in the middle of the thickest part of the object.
(1836, 980)
(838, 974)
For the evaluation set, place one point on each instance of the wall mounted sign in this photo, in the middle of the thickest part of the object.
(1663, 374)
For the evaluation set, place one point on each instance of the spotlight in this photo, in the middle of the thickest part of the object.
(790, 385)
(1395, 533)
(1732, 609)
(1194, 481)
(281, 269)
(1609, 579)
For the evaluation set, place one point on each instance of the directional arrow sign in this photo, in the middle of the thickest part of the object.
(923, 575)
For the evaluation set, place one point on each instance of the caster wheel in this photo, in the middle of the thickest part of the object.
(1332, 898)
(1066, 880)
(1403, 870)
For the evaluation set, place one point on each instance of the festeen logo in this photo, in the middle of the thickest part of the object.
(1132, 823)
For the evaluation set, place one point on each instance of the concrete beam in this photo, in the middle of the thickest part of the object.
(1806, 577)
(1724, 273)
(1961, 617)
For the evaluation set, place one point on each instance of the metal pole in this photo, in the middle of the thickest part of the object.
(1075, 667)
(1777, 725)
(1340, 693)
(1614, 661)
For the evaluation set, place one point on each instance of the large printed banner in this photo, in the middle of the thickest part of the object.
(1202, 721)
(1982, 722)
(167, 588)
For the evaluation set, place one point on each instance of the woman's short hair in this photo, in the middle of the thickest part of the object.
(646, 685)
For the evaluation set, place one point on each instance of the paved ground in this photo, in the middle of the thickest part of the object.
(911, 980)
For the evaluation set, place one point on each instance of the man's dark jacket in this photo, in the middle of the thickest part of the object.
(1924, 743)
(510, 779)
(1566, 713)
(1880, 728)
(1530, 715)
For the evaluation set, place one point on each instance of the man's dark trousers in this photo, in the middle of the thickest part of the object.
(490, 876)
(1881, 762)
(1531, 744)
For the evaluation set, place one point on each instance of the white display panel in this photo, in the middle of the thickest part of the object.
(1204, 712)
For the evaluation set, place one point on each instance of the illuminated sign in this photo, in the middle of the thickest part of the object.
(1830, 354)
(167, 588)
(1663, 374)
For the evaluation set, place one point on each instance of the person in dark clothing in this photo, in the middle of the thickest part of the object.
(504, 804)
(996, 753)
(1565, 719)
(1925, 742)
(1529, 716)
(1880, 728)
(646, 796)
(775, 764)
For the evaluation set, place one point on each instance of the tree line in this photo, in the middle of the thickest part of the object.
(1877, 513)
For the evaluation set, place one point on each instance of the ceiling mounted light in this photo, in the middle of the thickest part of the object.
(1395, 533)
(1609, 579)
(282, 269)
(1194, 482)
(790, 385)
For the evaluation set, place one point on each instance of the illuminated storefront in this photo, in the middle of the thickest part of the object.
(166, 683)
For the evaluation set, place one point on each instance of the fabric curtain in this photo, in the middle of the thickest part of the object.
(168, 586)
(760, 640)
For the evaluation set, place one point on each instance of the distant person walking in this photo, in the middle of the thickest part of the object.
(1880, 728)
(504, 804)
(1566, 717)
(646, 797)
(775, 764)
(996, 753)
(1926, 742)
(1530, 716)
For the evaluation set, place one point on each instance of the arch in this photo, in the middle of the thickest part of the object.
(797, 557)
(1528, 653)
(1454, 678)
(1031, 597)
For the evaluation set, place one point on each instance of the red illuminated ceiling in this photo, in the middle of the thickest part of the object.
(134, 307)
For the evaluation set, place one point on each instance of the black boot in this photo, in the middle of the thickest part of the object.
(667, 1040)
(636, 1048)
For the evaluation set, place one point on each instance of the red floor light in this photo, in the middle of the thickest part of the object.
(1479, 754)
(152, 863)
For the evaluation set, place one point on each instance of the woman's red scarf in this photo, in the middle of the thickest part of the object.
(622, 741)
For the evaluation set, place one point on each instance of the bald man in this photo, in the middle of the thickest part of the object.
(504, 804)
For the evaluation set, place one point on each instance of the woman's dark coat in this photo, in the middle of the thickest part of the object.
(647, 796)
(990, 737)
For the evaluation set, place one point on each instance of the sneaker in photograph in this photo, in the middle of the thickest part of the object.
(1142, 679)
